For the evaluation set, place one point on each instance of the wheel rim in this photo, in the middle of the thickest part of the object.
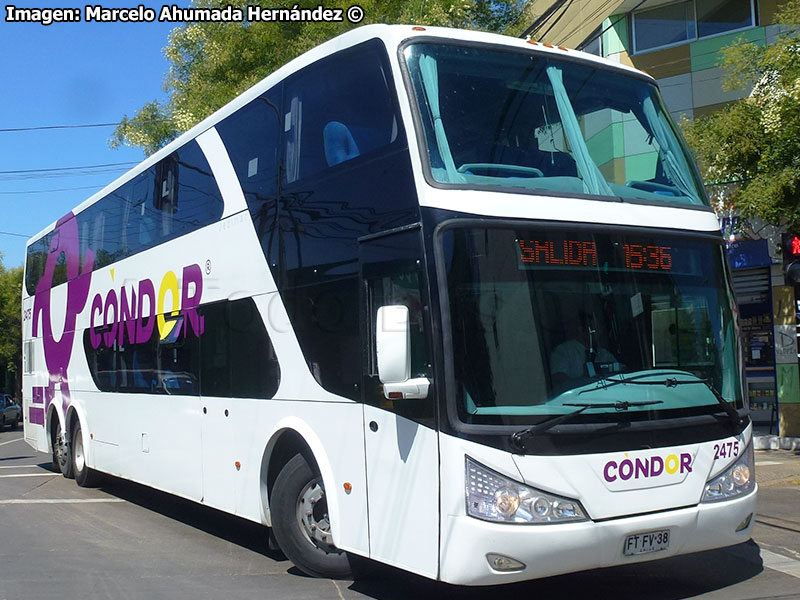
(312, 516)
(80, 459)
(61, 448)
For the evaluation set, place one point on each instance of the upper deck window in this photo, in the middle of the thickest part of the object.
(176, 196)
(680, 22)
(338, 110)
(523, 121)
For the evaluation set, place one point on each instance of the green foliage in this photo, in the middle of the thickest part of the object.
(756, 141)
(10, 316)
(211, 63)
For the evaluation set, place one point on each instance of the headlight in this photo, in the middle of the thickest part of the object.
(737, 480)
(492, 497)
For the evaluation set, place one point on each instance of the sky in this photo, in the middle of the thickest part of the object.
(68, 74)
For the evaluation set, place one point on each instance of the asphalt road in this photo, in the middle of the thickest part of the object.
(126, 541)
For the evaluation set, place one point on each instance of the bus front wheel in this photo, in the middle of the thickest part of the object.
(300, 522)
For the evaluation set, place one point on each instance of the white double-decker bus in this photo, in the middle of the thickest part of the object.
(448, 300)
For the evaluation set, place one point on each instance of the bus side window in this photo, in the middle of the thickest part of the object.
(233, 357)
(252, 136)
(165, 198)
(186, 194)
(237, 357)
(338, 110)
(330, 198)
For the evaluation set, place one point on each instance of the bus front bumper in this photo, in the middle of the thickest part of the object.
(547, 550)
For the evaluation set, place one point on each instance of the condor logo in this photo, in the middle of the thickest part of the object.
(633, 472)
(121, 314)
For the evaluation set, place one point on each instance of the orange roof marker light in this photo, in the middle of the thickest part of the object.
(563, 48)
(532, 42)
(417, 28)
(546, 45)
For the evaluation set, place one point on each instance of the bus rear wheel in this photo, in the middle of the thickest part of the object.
(84, 476)
(62, 456)
(300, 522)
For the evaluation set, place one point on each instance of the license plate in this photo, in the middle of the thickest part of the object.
(642, 543)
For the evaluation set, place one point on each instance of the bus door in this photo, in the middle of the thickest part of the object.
(402, 455)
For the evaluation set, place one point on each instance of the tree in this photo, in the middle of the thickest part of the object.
(211, 63)
(10, 329)
(755, 141)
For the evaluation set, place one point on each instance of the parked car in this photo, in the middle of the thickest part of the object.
(10, 412)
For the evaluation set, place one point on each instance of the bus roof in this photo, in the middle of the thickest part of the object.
(391, 35)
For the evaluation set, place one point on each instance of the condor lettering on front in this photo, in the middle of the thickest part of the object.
(647, 467)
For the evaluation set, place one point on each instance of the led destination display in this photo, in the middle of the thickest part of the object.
(534, 253)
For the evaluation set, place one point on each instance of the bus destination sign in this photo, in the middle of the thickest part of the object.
(584, 253)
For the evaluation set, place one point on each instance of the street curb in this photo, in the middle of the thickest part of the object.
(774, 442)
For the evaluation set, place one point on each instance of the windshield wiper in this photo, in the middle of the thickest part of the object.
(726, 406)
(518, 437)
(619, 405)
(729, 409)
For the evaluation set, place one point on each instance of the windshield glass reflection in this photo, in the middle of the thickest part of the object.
(514, 119)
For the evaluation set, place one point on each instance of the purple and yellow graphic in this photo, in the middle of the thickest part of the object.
(57, 353)
(126, 315)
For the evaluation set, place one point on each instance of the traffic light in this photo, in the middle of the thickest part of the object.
(790, 245)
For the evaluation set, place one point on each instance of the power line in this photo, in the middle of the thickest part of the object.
(542, 18)
(119, 164)
(87, 187)
(22, 235)
(79, 126)
(45, 127)
(62, 175)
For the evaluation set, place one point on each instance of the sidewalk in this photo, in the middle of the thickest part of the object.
(777, 468)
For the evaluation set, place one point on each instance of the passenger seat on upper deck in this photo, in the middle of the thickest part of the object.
(339, 143)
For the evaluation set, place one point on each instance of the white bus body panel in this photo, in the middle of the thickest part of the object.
(403, 491)
(548, 208)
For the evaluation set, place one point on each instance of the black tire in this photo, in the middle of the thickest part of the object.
(55, 466)
(312, 553)
(19, 421)
(84, 476)
(62, 454)
(2, 422)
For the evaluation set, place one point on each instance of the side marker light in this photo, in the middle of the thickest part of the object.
(745, 524)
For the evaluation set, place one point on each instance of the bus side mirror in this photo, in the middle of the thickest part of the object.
(393, 347)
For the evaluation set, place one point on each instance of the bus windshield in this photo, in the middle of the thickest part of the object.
(544, 320)
(527, 122)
